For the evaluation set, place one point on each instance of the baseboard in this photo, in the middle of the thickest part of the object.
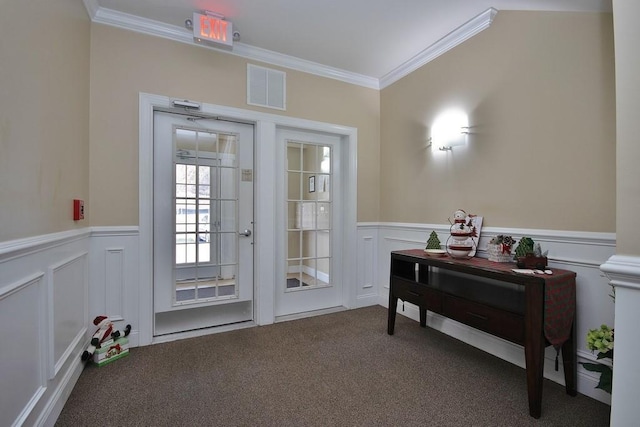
(366, 300)
(160, 339)
(297, 316)
(59, 397)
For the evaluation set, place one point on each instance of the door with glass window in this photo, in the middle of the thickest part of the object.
(203, 222)
(310, 255)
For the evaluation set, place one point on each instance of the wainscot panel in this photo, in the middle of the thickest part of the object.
(43, 324)
(576, 251)
(114, 284)
(367, 286)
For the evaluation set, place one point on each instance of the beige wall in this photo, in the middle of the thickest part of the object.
(538, 86)
(44, 116)
(124, 63)
(539, 91)
(627, 35)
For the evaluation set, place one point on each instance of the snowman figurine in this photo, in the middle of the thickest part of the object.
(459, 225)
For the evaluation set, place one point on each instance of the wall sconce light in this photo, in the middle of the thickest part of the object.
(450, 129)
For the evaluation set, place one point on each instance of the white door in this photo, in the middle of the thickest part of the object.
(309, 277)
(202, 222)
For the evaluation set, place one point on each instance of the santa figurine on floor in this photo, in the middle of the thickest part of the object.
(105, 332)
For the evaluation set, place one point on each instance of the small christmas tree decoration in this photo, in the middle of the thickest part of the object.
(433, 242)
(525, 246)
(529, 255)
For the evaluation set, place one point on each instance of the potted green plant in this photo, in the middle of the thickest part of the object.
(601, 341)
(529, 254)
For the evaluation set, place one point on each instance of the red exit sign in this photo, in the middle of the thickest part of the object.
(212, 29)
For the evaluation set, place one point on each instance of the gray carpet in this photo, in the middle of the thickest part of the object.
(339, 369)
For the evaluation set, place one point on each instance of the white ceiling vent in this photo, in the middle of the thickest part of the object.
(266, 87)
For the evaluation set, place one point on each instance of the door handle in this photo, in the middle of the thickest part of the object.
(245, 233)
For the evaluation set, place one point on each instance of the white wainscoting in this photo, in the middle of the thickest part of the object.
(68, 316)
(52, 286)
(114, 277)
(43, 324)
(576, 251)
(367, 289)
(624, 273)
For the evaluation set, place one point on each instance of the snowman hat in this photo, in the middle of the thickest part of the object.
(99, 319)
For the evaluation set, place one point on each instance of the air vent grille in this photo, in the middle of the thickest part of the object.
(266, 87)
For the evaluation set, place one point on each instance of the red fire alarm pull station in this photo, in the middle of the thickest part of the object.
(78, 209)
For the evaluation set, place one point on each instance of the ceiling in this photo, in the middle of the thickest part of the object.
(368, 39)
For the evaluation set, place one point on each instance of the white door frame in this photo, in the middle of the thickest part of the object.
(265, 204)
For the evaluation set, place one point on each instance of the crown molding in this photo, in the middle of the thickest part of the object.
(445, 44)
(142, 25)
(147, 26)
(138, 24)
(92, 7)
(271, 57)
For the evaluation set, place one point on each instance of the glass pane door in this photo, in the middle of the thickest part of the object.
(205, 215)
(309, 220)
(203, 197)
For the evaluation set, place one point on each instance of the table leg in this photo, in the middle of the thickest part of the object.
(423, 317)
(534, 346)
(391, 314)
(569, 363)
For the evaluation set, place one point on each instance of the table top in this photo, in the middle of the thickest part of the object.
(502, 270)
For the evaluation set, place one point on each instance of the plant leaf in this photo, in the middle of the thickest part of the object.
(606, 380)
(606, 375)
(594, 367)
(608, 354)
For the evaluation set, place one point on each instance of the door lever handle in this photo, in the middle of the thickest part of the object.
(245, 233)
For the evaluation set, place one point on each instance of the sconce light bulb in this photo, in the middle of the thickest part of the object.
(449, 129)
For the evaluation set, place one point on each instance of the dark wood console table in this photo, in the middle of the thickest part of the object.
(530, 310)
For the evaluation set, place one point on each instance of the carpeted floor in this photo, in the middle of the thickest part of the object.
(339, 369)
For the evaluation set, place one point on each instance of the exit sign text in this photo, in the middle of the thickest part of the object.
(208, 28)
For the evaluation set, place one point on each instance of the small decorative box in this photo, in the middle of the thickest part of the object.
(499, 253)
(111, 351)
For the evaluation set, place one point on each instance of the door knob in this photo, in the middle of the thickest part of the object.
(245, 233)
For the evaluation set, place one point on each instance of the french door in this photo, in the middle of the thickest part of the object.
(202, 222)
(311, 253)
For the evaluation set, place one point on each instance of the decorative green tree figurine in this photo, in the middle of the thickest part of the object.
(525, 246)
(433, 242)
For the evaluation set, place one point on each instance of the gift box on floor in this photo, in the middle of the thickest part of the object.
(108, 352)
